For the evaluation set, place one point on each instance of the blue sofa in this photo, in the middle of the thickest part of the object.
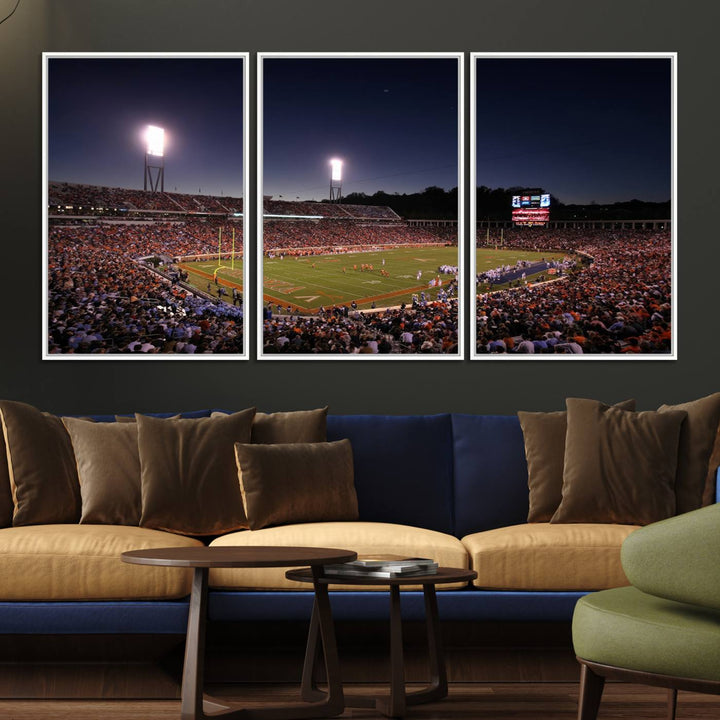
(452, 473)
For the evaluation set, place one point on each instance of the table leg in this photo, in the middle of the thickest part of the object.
(335, 703)
(193, 669)
(309, 687)
(396, 705)
(398, 700)
(438, 687)
(195, 707)
(322, 643)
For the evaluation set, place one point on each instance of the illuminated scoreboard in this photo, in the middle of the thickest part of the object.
(531, 209)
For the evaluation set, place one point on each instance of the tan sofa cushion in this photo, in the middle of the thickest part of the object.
(365, 538)
(82, 562)
(544, 556)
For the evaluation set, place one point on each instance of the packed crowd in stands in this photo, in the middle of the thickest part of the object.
(429, 328)
(539, 238)
(333, 235)
(101, 300)
(443, 233)
(618, 303)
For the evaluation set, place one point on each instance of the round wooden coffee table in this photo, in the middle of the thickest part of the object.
(395, 704)
(193, 705)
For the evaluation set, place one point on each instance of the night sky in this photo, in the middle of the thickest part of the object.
(98, 110)
(582, 129)
(394, 123)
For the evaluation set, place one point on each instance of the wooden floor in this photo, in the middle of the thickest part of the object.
(477, 701)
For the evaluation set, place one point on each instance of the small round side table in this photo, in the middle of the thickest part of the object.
(395, 704)
(193, 705)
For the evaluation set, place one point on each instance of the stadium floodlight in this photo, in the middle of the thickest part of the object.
(336, 170)
(154, 158)
(336, 180)
(155, 137)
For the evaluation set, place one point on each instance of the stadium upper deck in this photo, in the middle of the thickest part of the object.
(77, 199)
(94, 199)
(328, 210)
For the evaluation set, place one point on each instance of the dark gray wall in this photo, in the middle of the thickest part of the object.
(690, 28)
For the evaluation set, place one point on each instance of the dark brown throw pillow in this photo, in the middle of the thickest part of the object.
(6, 500)
(108, 466)
(296, 426)
(188, 474)
(697, 438)
(131, 418)
(297, 483)
(544, 435)
(619, 466)
(41, 466)
(710, 491)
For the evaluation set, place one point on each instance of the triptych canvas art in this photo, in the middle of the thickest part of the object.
(353, 240)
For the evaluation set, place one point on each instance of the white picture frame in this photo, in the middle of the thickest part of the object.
(510, 356)
(459, 57)
(50, 352)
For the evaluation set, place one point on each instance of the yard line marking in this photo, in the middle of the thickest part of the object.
(371, 298)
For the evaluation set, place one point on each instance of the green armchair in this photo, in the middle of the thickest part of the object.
(664, 629)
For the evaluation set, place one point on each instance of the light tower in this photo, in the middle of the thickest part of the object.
(336, 180)
(155, 158)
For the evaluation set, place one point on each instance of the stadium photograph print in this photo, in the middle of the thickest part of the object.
(144, 174)
(360, 206)
(573, 209)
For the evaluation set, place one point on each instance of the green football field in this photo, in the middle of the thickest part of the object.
(204, 274)
(306, 283)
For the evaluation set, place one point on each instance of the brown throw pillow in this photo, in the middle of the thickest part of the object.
(297, 483)
(544, 435)
(6, 500)
(108, 465)
(41, 466)
(697, 438)
(619, 466)
(131, 418)
(188, 473)
(297, 426)
(710, 491)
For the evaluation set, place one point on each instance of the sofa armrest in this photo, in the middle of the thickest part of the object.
(677, 558)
